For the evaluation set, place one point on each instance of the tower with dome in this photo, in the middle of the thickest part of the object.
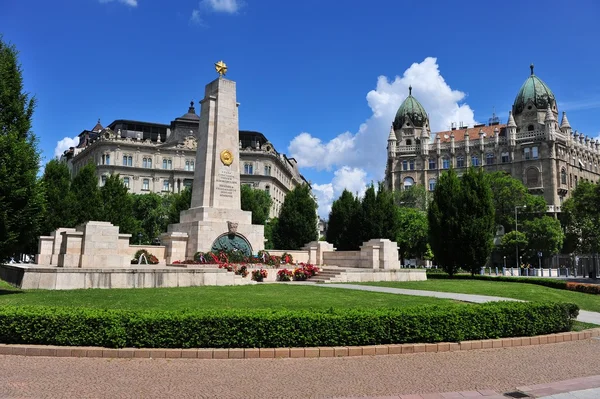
(548, 157)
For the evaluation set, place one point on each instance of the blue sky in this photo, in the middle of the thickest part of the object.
(321, 79)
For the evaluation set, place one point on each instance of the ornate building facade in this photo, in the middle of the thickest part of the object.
(154, 157)
(548, 157)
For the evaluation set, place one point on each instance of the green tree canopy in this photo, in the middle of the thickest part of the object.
(415, 196)
(386, 213)
(339, 227)
(86, 195)
(477, 220)
(445, 218)
(412, 233)
(21, 193)
(152, 217)
(297, 224)
(180, 202)
(582, 217)
(117, 204)
(513, 245)
(544, 235)
(256, 201)
(59, 199)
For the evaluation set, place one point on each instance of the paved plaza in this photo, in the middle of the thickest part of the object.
(487, 371)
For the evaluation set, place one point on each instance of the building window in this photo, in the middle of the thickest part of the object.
(408, 142)
(527, 153)
(431, 184)
(124, 160)
(408, 182)
(530, 128)
(187, 165)
(445, 163)
(460, 162)
(147, 162)
(165, 185)
(563, 176)
(248, 169)
(167, 163)
(103, 180)
(192, 165)
(575, 181)
(105, 159)
(146, 184)
(404, 165)
(411, 164)
(475, 160)
(533, 177)
(432, 164)
(490, 159)
(505, 157)
(534, 153)
(127, 160)
(267, 170)
(268, 190)
(126, 182)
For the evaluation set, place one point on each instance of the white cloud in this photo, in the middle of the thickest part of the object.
(365, 150)
(65, 144)
(345, 178)
(226, 6)
(195, 17)
(132, 3)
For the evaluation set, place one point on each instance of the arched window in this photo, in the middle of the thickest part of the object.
(563, 176)
(475, 160)
(248, 168)
(124, 160)
(432, 165)
(408, 182)
(130, 161)
(187, 165)
(268, 190)
(126, 182)
(533, 177)
(530, 128)
(490, 159)
(460, 162)
(431, 184)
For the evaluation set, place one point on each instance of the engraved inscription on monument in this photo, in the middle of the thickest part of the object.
(226, 183)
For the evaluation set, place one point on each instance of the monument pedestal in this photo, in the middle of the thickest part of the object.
(215, 219)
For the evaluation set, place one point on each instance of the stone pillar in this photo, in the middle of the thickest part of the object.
(315, 251)
(175, 246)
(100, 246)
(70, 249)
(379, 254)
(58, 238)
(44, 255)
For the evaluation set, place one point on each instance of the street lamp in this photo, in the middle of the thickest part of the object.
(517, 230)
(140, 238)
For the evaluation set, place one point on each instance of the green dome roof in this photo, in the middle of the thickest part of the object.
(536, 90)
(411, 111)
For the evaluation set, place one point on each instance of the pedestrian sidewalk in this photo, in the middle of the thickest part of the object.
(584, 315)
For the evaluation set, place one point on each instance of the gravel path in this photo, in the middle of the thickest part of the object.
(491, 369)
(584, 315)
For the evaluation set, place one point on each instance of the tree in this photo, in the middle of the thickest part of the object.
(544, 235)
(386, 213)
(512, 245)
(117, 204)
(271, 235)
(180, 202)
(256, 201)
(21, 193)
(412, 233)
(370, 223)
(297, 220)
(58, 197)
(86, 195)
(477, 220)
(152, 217)
(582, 216)
(414, 196)
(339, 230)
(444, 217)
(508, 193)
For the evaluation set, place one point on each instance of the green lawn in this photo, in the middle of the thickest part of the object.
(527, 292)
(260, 296)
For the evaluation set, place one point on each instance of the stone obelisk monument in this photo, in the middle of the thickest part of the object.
(215, 219)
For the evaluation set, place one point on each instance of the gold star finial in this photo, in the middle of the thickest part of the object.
(221, 68)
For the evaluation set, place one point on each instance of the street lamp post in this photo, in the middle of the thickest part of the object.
(517, 230)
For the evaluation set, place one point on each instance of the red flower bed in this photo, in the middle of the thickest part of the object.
(284, 275)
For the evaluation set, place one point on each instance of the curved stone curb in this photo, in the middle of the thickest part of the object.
(314, 352)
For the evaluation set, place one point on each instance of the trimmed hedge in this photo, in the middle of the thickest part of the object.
(268, 328)
(547, 282)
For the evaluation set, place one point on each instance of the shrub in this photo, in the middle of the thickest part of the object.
(548, 282)
(270, 328)
(284, 275)
(300, 274)
(585, 288)
(259, 275)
